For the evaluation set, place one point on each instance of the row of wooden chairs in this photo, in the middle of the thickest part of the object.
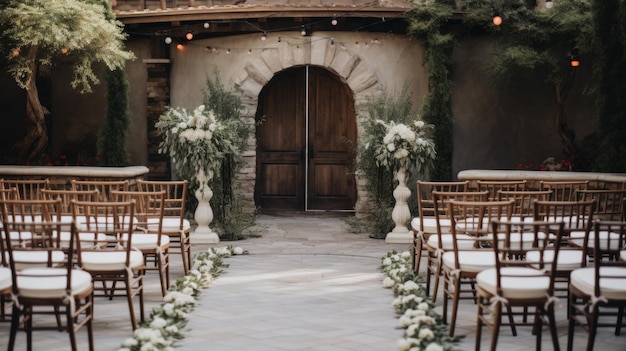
(175, 224)
(455, 235)
(112, 237)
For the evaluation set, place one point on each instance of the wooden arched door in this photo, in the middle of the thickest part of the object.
(305, 142)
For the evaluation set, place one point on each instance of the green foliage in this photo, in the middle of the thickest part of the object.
(227, 201)
(429, 22)
(42, 32)
(610, 87)
(112, 138)
(379, 180)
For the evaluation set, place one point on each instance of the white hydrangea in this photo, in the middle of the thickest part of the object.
(434, 347)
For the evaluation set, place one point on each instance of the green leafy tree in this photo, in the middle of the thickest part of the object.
(37, 33)
(531, 42)
(610, 83)
(112, 138)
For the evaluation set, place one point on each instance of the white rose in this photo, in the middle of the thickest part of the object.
(426, 333)
(419, 124)
(391, 147)
(423, 306)
(388, 283)
(404, 345)
(434, 347)
(238, 251)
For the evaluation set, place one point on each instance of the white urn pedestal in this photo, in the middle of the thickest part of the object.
(203, 216)
(401, 214)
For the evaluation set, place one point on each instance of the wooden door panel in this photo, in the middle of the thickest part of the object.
(332, 135)
(281, 143)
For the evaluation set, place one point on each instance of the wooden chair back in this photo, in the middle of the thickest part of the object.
(563, 190)
(493, 186)
(27, 189)
(104, 187)
(609, 204)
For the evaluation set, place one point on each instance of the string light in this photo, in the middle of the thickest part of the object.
(264, 36)
(227, 51)
(64, 51)
(279, 39)
(497, 20)
(334, 21)
(168, 40)
(332, 40)
(206, 25)
(15, 52)
(189, 36)
(303, 31)
(180, 47)
(549, 4)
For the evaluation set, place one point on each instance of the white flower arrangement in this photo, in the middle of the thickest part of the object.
(167, 320)
(424, 328)
(405, 146)
(197, 140)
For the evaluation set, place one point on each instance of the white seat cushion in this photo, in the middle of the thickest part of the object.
(464, 241)
(143, 241)
(568, 259)
(51, 282)
(470, 261)
(584, 279)
(170, 224)
(577, 238)
(5, 278)
(516, 283)
(107, 260)
(523, 241)
(31, 259)
(430, 224)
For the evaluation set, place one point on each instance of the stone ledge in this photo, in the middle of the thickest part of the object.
(534, 177)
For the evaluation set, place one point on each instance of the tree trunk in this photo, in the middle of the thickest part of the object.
(567, 135)
(36, 138)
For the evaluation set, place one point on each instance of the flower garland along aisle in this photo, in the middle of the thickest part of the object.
(424, 328)
(166, 322)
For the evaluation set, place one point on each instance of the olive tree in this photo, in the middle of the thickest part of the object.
(40, 33)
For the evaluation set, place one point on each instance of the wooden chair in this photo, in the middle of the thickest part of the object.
(577, 219)
(523, 202)
(609, 203)
(563, 190)
(40, 278)
(27, 189)
(599, 291)
(148, 236)
(471, 253)
(494, 186)
(515, 282)
(175, 225)
(442, 241)
(104, 187)
(425, 223)
(116, 262)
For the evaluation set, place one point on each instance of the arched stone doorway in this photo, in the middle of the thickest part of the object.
(260, 69)
(305, 142)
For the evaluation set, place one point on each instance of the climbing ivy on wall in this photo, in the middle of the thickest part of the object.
(427, 22)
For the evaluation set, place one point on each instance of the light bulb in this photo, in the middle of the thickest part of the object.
(64, 51)
(334, 20)
(575, 62)
(332, 41)
(180, 47)
(189, 36)
(168, 40)
(497, 20)
(303, 32)
(206, 25)
(227, 51)
(264, 36)
(549, 4)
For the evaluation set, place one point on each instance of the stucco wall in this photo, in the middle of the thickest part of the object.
(500, 126)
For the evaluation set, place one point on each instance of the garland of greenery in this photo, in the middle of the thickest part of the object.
(424, 327)
(426, 23)
(167, 321)
(112, 138)
(227, 201)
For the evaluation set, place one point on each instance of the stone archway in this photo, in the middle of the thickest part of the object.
(321, 52)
